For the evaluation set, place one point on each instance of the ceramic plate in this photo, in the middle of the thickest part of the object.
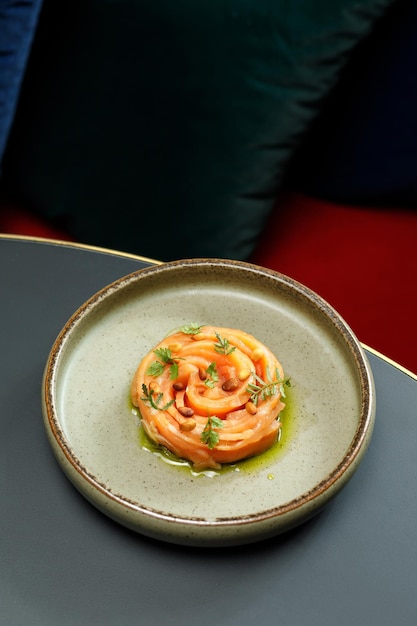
(96, 436)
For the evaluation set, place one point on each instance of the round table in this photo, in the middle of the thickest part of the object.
(63, 562)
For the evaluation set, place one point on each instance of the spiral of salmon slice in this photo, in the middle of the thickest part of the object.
(210, 395)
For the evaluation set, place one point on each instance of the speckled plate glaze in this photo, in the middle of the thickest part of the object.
(95, 435)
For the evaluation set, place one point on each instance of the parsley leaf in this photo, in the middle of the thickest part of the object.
(209, 436)
(212, 374)
(157, 367)
(164, 354)
(173, 370)
(192, 329)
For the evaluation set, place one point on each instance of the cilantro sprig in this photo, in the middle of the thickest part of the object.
(165, 358)
(209, 436)
(261, 389)
(154, 399)
(223, 345)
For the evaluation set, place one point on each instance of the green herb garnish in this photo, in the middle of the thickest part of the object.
(266, 389)
(223, 346)
(192, 329)
(212, 375)
(157, 367)
(209, 436)
(155, 400)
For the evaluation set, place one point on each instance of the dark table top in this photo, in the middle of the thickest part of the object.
(63, 562)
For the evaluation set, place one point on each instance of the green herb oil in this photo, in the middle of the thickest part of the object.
(247, 465)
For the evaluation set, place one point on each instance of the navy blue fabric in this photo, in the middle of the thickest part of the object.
(363, 147)
(18, 20)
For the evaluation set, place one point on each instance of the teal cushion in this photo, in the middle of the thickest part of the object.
(164, 128)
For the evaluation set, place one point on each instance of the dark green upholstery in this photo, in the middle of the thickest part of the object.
(362, 148)
(164, 128)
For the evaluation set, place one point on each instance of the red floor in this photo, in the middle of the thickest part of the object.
(362, 261)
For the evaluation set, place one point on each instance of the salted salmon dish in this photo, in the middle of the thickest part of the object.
(210, 395)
